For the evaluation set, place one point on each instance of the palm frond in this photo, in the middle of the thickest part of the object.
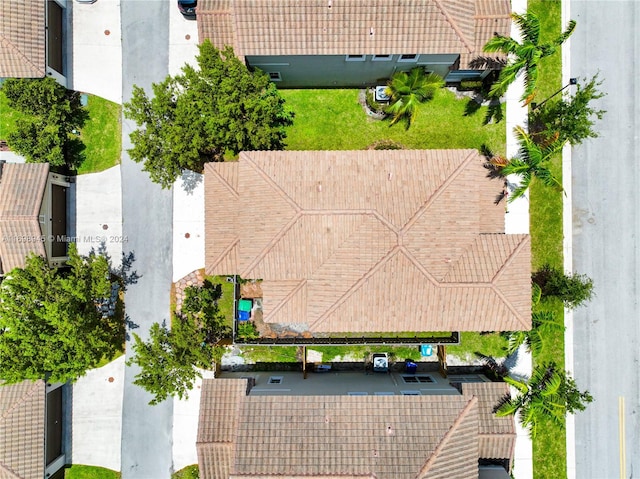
(519, 385)
(500, 44)
(529, 26)
(566, 34)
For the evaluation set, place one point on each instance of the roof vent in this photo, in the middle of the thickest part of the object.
(371, 31)
(329, 3)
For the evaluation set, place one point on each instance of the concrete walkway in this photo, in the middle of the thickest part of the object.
(517, 221)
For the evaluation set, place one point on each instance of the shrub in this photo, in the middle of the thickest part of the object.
(247, 331)
(572, 289)
(386, 145)
(372, 104)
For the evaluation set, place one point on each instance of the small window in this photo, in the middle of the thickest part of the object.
(383, 393)
(418, 379)
(410, 393)
(381, 58)
(275, 76)
(408, 58)
(358, 393)
(275, 380)
(355, 58)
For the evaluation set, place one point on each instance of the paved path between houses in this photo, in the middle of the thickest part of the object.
(606, 232)
(147, 221)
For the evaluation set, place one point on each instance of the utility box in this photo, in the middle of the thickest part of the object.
(380, 363)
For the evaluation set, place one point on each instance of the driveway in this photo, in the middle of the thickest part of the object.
(96, 60)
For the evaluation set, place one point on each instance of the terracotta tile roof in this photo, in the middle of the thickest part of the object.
(497, 434)
(342, 436)
(369, 227)
(22, 188)
(22, 429)
(22, 39)
(341, 27)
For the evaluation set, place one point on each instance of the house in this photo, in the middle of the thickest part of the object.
(351, 43)
(32, 39)
(257, 430)
(361, 242)
(33, 214)
(31, 430)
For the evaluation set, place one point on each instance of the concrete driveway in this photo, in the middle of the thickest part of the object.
(96, 60)
(96, 424)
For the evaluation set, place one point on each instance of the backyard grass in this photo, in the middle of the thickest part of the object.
(225, 303)
(334, 120)
(89, 472)
(549, 446)
(270, 354)
(102, 135)
(489, 344)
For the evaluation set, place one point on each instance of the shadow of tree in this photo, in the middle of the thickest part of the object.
(190, 180)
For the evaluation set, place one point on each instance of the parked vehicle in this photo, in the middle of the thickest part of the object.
(188, 8)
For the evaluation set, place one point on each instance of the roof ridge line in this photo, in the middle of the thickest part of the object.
(21, 400)
(454, 25)
(273, 184)
(26, 59)
(224, 253)
(518, 248)
(385, 259)
(436, 194)
(223, 180)
(419, 266)
(8, 469)
(287, 298)
(275, 240)
(472, 402)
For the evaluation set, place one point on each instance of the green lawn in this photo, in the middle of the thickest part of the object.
(490, 344)
(334, 120)
(89, 472)
(225, 303)
(189, 472)
(549, 447)
(102, 135)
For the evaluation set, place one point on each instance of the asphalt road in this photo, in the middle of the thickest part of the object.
(147, 222)
(606, 231)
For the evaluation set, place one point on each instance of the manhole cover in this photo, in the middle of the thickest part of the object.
(187, 235)
(105, 227)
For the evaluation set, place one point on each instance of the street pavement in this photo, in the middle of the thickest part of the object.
(606, 231)
(147, 222)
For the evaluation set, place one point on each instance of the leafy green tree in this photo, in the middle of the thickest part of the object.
(408, 90)
(524, 56)
(52, 323)
(202, 114)
(52, 115)
(169, 359)
(531, 162)
(572, 289)
(570, 119)
(549, 394)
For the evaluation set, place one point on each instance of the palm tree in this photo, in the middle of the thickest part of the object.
(542, 323)
(530, 162)
(407, 91)
(524, 56)
(549, 394)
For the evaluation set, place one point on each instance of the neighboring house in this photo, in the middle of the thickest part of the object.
(358, 242)
(33, 214)
(351, 43)
(249, 432)
(31, 430)
(32, 39)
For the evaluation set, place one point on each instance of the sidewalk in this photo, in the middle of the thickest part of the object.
(517, 221)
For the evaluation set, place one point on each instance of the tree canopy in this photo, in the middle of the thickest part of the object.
(202, 114)
(169, 358)
(570, 119)
(549, 394)
(52, 322)
(525, 55)
(51, 115)
(408, 90)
